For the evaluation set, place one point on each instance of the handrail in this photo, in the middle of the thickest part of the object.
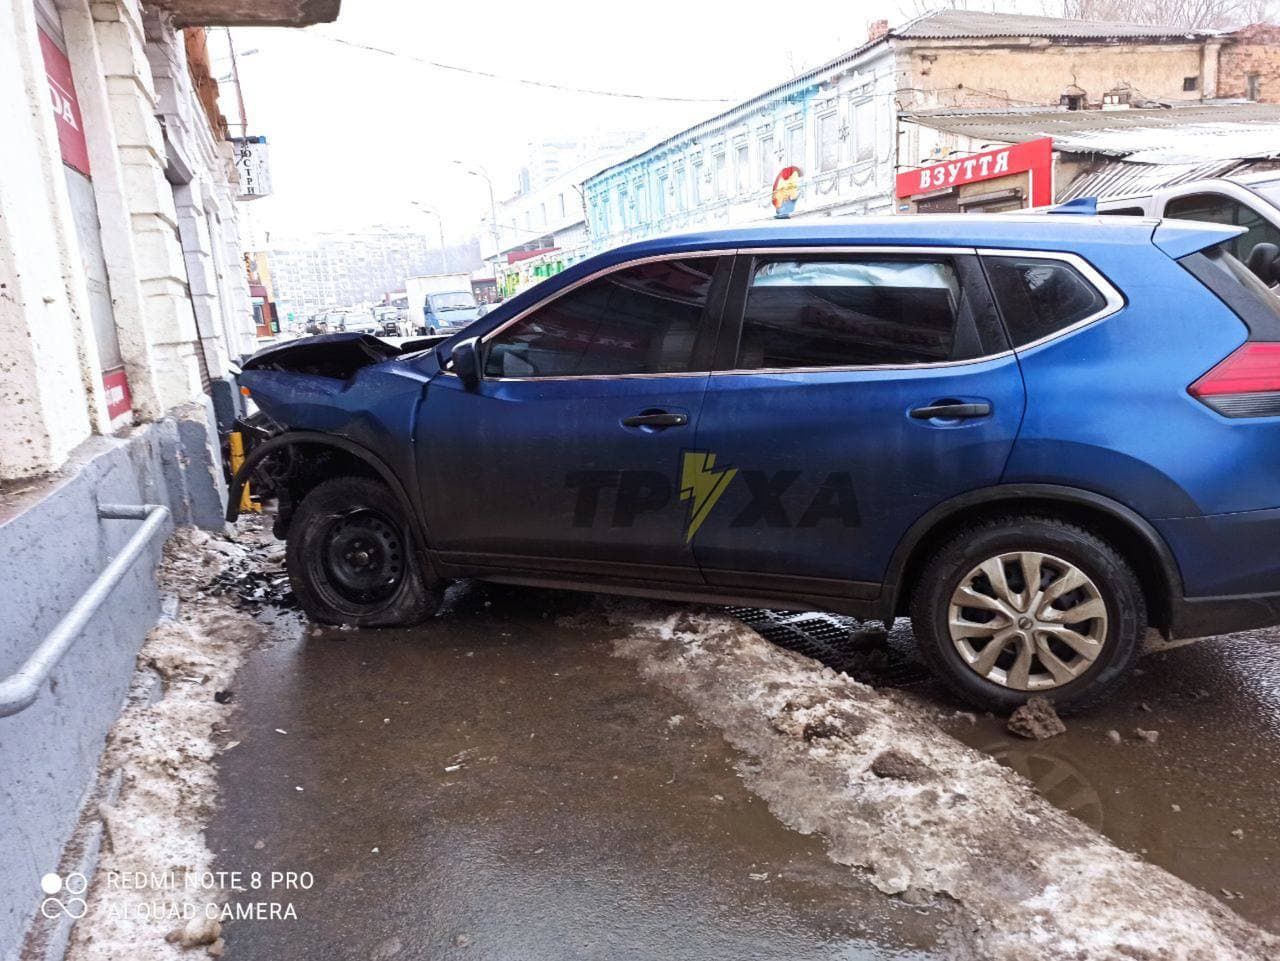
(20, 689)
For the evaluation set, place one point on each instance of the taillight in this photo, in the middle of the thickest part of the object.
(1246, 384)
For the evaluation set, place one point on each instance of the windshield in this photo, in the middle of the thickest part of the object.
(454, 300)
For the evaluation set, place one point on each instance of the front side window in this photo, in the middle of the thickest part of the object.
(1039, 296)
(850, 312)
(637, 320)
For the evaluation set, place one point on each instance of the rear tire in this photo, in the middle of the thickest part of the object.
(352, 559)
(977, 591)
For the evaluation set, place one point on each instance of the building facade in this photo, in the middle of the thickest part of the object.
(123, 301)
(336, 270)
(844, 124)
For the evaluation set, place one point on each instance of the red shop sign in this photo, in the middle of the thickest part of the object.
(66, 108)
(1034, 157)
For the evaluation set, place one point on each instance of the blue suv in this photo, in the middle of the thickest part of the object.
(1037, 436)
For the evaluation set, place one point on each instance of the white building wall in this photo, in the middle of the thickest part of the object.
(50, 394)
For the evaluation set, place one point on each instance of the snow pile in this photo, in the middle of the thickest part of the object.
(923, 815)
(151, 876)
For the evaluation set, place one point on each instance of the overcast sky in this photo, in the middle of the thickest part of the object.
(356, 135)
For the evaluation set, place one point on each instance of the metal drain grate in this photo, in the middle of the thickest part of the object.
(842, 643)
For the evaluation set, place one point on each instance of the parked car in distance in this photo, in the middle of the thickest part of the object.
(1251, 201)
(1036, 436)
(360, 323)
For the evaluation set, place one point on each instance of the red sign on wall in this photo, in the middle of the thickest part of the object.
(1035, 157)
(119, 400)
(66, 108)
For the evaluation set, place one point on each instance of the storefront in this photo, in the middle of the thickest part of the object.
(989, 181)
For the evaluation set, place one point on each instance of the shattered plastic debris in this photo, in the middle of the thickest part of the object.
(1030, 880)
(1036, 720)
(253, 573)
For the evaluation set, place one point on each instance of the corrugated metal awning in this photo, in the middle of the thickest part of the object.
(1124, 179)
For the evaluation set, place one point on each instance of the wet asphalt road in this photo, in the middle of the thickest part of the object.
(581, 821)
(500, 787)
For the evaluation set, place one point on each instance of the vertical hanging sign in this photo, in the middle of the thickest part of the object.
(66, 108)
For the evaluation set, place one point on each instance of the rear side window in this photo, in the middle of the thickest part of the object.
(1239, 288)
(850, 312)
(636, 320)
(1039, 297)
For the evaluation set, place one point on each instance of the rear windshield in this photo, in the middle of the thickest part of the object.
(1239, 288)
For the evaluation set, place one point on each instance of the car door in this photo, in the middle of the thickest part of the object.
(565, 455)
(858, 390)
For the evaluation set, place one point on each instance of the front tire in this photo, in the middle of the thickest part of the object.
(1020, 606)
(351, 557)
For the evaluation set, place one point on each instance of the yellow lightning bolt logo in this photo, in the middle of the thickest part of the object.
(701, 485)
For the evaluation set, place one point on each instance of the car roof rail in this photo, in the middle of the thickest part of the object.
(1081, 207)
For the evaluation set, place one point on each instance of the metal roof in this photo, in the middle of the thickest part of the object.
(1119, 180)
(973, 24)
(1191, 135)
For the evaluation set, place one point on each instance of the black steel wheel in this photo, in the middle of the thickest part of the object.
(352, 560)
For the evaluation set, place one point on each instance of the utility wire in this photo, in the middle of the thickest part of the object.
(547, 85)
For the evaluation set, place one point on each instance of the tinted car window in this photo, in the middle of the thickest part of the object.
(1039, 297)
(637, 320)
(1124, 212)
(850, 312)
(1220, 209)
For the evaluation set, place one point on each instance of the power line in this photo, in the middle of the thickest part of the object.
(546, 85)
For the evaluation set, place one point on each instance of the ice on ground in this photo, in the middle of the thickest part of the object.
(165, 750)
(922, 815)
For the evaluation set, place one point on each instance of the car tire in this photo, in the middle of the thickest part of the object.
(352, 560)
(958, 609)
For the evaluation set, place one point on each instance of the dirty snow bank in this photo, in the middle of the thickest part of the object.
(923, 815)
(165, 749)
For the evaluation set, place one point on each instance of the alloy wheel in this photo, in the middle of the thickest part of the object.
(1028, 621)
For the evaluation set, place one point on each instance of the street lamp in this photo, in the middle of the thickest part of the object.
(478, 171)
(444, 254)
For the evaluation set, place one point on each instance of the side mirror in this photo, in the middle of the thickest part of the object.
(465, 360)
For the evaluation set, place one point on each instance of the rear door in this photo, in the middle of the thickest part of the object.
(858, 390)
(565, 457)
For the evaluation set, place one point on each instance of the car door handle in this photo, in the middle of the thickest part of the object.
(952, 411)
(656, 419)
